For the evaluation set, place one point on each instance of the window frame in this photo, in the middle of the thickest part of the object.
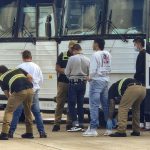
(37, 19)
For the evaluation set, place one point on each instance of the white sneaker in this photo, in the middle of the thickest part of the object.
(90, 132)
(108, 132)
(75, 129)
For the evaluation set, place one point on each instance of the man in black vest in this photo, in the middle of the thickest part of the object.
(132, 94)
(62, 87)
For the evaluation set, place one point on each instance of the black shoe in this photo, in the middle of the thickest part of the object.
(68, 126)
(117, 134)
(11, 134)
(82, 128)
(56, 128)
(27, 136)
(3, 136)
(135, 133)
(43, 135)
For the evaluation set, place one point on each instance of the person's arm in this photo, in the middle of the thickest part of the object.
(68, 67)
(7, 93)
(40, 76)
(140, 66)
(29, 77)
(93, 67)
(58, 67)
(111, 109)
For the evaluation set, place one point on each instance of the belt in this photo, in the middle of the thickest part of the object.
(77, 81)
(132, 84)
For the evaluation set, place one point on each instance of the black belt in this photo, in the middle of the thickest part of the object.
(77, 81)
(132, 84)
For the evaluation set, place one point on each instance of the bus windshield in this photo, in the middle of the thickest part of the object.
(96, 17)
(128, 16)
(81, 17)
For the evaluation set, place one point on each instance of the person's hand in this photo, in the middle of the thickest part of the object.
(109, 124)
(88, 79)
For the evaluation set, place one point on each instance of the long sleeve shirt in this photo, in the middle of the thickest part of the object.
(140, 67)
(77, 67)
(100, 65)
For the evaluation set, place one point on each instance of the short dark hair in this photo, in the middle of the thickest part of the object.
(100, 42)
(26, 54)
(139, 40)
(3, 69)
(76, 47)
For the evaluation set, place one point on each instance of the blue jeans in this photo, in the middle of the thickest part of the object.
(76, 94)
(98, 94)
(36, 112)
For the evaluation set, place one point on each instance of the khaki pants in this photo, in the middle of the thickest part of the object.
(61, 100)
(132, 97)
(25, 97)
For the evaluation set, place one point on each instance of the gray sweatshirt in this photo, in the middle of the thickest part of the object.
(77, 67)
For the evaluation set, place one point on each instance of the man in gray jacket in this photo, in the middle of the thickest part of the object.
(77, 71)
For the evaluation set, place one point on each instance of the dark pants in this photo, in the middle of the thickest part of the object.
(76, 94)
(144, 117)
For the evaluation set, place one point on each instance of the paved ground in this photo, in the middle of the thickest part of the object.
(74, 141)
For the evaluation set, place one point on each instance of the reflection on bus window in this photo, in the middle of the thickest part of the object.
(27, 22)
(81, 16)
(128, 16)
(44, 12)
(8, 10)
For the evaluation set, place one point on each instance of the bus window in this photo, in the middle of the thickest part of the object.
(81, 17)
(8, 12)
(128, 16)
(27, 17)
(46, 23)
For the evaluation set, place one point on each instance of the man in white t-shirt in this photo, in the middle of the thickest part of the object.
(100, 67)
(36, 73)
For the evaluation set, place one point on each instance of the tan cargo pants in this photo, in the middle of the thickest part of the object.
(25, 97)
(132, 97)
(61, 99)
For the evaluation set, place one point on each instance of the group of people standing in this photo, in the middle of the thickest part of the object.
(77, 70)
(21, 86)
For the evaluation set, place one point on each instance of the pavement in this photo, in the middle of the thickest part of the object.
(74, 141)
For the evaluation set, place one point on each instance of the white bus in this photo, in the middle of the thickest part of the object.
(23, 26)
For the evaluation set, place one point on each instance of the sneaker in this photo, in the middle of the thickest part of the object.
(68, 127)
(118, 134)
(135, 133)
(90, 132)
(27, 136)
(43, 135)
(11, 134)
(56, 128)
(75, 129)
(3, 136)
(108, 132)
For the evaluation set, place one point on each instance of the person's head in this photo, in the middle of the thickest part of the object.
(26, 56)
(139, 43)
(76, 49)
(49, 18)
(71, 44)
(3, 69)
(99, 44)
